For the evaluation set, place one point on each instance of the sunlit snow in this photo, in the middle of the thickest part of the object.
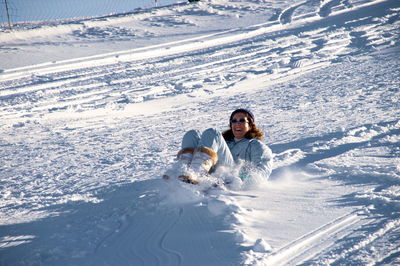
(93, 111)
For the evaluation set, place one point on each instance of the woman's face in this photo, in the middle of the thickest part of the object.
(239, 125)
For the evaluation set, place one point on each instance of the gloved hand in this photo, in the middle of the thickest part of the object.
(243, 176)
(244, 171)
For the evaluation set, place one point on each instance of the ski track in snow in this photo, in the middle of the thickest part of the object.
(310, 244)
(304, 38)
(315, 244)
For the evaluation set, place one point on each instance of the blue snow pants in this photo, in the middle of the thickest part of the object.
(213, 139)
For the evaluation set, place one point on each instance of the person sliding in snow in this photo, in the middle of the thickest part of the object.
(238, 149)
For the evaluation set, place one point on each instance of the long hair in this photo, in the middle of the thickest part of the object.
(253, 133)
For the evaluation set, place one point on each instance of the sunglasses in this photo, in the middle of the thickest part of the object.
(241, 121)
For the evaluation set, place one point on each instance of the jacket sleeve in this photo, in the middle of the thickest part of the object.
(259, 160)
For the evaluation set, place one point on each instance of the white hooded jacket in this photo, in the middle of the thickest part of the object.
(255, 157)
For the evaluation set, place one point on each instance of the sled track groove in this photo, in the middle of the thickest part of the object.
(155, 242)
(312, 243)
(287, 15)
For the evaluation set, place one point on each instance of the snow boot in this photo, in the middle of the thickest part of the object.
(184, 157)
(203, 159)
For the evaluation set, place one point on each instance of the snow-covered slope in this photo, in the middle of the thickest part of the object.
(93, 111)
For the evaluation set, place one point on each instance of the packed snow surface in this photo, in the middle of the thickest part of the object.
(93, 112)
